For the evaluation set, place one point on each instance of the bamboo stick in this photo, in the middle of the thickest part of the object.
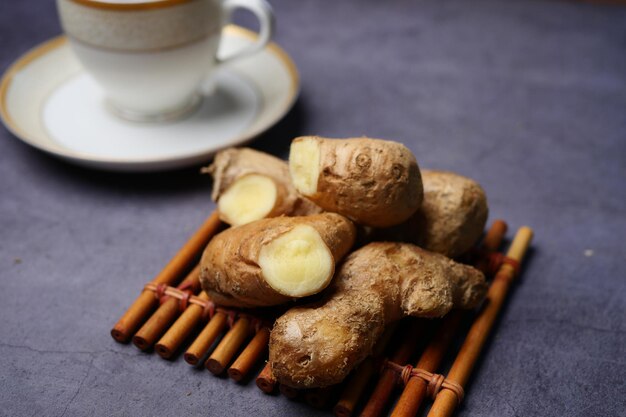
(266, 381)
(415, 391)
(359, 379)
(387, 381)
(354, 389)
(205, 339)
(163, 317)
(229, 345)
(181, 329)
(491, 243)
(146, 302)
(250, 355)
(462, 367)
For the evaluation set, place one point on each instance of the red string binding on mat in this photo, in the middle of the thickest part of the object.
(159, 292)
(231, 317)
(405, 374)
(184, 301)
(188, 286)
(163, 291)
(496, 260)
(209, 310)
(434, 382)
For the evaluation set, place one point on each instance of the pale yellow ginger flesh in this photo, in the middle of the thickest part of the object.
(275, 260)
(373, 182)
(304, 162)
(317, 345)
(249, 198)
(242, 189)
(298, 263)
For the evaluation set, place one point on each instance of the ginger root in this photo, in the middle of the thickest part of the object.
(453, 215)
(250, 185)
(371, 181)
(318, 345)
(273, 261)
(451, 219)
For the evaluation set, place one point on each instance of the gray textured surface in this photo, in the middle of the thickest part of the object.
(529, 98)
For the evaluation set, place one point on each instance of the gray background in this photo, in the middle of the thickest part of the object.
(529, 98)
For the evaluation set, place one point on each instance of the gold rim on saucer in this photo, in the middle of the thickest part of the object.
(136, 164)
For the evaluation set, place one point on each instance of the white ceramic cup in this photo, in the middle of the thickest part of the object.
(152, 56)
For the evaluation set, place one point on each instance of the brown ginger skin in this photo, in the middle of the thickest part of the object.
(318, 345)
(451, 219)
(374, 182)
(232, 164)
(231, 273)
(453, 215)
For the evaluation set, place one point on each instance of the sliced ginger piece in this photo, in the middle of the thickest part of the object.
(374, 182)
(232, 165)
(274, 260)
(304, 163)
(251, 197)
(298, 263)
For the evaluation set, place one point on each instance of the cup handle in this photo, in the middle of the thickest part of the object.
(263, 11)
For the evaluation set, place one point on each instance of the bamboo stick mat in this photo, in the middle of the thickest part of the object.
(173, 316)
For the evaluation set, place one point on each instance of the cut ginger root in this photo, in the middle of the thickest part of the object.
(304, 162)
(371, 181)
(298, 263)
(273, 261)
(317, 345)
(249, 185)
(251, 197)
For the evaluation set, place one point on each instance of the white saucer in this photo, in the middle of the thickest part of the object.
(48, 101)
